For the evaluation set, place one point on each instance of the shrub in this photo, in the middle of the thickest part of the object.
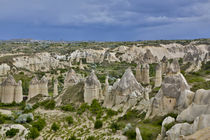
(55, 127)
(70, 120)
(34, 133)
(115, 126)
(131, 134)
(2, 119)
(82, 108)
(111, 113)
(12, 132)
(98, 124)
(73, 138)
(95, 107)
(50, 104)
(68, 107)
(39, 124)
(91, 138)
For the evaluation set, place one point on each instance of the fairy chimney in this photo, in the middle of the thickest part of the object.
(33, 88)
(158, 75)
(145, 74)
(55, 89)
(43, 86)
(138, 73)
(92, 89)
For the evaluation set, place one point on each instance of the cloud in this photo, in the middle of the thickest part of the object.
(95, 16)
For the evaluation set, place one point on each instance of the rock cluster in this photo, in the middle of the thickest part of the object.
(37, 87)
(10, 91)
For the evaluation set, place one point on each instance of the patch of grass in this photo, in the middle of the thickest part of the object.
(48, 104)
(202, 85)
(114, 126)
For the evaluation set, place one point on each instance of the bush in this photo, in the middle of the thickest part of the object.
(91, 138)
(111, 113)
(39, 124)
(98, 124)
(50, 104)
(55, 127)
(68, 107)
(73, 138)
(12, 132)
(2, 119)
(95, 107)
(131, 134)
(70, 120)
(83, 108)
(34, 133)
(115, 126)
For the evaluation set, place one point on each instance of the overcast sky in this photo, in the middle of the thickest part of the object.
(104, 20)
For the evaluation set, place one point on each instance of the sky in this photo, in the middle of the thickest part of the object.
(104, 20)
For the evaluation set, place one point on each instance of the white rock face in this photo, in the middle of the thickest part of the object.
(37, 62)
(10, 91)
(92, 89)
(202, 97)
(4, 68)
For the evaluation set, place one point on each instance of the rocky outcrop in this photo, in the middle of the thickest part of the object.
(71, 79)
(92, 89)
(38, 62)
(10, 91)
(37, 87)
(4, 69)
(174, 67)
(180, 130)
(174, 95)
(200, 105)
(149, 57)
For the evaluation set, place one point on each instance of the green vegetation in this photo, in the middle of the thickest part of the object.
(34, 133)
(68, 107)
(48, 104)
(168, 126)
(25, 81)
(55, 127)
(114, 126)
(73, 138)
(12, 132)
(70, 120)
(39, 124)
(91, 138)
(82, 108)
(201, 85)
(98, 124)
(131, 134)
(96, 109)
